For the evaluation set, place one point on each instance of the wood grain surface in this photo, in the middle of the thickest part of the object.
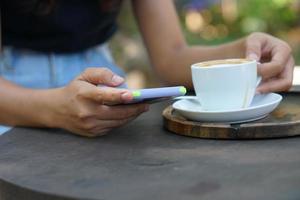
(144, 161)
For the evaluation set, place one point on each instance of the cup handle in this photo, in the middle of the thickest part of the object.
(259, 78)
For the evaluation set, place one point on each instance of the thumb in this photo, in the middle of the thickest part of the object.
(253, 49)
(102, 76)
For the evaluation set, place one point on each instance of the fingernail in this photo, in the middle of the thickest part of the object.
(126, 96)
(117, 79)
(253, 56)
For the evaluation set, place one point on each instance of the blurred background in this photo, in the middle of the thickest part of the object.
(207, 22)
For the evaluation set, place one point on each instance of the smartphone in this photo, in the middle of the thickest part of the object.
(153, 95)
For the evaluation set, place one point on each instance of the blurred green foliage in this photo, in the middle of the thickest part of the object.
(280, 18)
(220, 21)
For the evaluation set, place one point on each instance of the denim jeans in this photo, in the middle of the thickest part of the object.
(33, 69)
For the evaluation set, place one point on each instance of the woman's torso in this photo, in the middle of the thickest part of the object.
(58, 25)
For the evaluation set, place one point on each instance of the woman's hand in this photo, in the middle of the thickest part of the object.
(84, 109)
(277, 62)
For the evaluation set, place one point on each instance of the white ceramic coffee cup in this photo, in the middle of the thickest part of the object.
(225, 84)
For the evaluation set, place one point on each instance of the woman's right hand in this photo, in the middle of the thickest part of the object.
(86, 109)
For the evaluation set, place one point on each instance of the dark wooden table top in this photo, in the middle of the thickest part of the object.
(143, 161)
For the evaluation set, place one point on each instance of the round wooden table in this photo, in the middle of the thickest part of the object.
(143, 161)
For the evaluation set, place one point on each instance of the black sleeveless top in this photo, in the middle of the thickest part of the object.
(70, 26)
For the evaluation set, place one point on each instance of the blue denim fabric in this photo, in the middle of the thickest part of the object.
(38, 70)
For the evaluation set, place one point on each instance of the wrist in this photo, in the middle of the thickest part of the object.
(51, 107)
(235, 49)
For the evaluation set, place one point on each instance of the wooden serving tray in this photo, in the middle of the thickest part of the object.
(284, 121)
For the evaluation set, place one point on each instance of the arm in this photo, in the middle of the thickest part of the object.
(172, 57)
(25, 107)
(78, 107)
(166, 45)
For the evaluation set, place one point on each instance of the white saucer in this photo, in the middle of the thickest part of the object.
(260, 107)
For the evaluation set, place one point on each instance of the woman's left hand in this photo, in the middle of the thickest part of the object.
(277, 62)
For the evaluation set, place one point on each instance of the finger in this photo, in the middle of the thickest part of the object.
(93, 134)
(94, 126)
(110, 124)
(90, 127)
(102, 76)
(289, 70)
(282, 82)
(280, 56)
(105, 127)
(106, 94)
(254, 45)
(120, 112)
(98, 132)
(112, 96)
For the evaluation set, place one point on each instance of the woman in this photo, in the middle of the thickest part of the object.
(49, 45)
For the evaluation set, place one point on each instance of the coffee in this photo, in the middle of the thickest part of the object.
(228, 62)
